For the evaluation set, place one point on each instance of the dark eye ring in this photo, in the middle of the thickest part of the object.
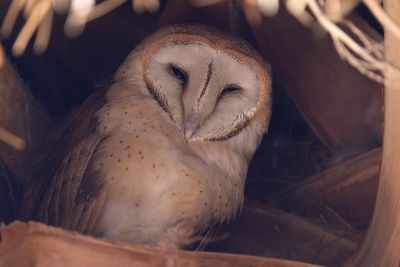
(230, 89)
(178, 73)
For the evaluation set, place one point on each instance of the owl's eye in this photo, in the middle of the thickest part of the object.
(178, 73)
(230, 89)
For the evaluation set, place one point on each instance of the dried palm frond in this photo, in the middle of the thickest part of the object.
(39, 18)
(11, 139)
(365, 54)
(38, 15)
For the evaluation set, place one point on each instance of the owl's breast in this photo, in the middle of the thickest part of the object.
(154, 181)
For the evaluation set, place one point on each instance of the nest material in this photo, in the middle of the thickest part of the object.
(364, 53)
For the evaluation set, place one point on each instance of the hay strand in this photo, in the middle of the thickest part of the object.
(11, 139)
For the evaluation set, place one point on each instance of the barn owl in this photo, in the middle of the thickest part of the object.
(161, 154)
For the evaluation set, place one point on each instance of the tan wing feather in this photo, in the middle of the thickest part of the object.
(67, 190)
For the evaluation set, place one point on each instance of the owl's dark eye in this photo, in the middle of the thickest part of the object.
(178, 73)
(230, 89)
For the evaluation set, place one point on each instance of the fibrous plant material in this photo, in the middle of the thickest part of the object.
(11, 139)
(345, 113)
(349, 187)
(23, 124)
(39, 18)
(266, 231)
(35, 244)
(381, 246)
(6, 136)
(365, 54)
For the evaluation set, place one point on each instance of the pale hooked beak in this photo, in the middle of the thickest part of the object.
(189, 129)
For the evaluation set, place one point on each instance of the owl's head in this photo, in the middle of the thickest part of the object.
(211, 84)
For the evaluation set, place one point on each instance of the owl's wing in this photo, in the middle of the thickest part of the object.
(67, 189)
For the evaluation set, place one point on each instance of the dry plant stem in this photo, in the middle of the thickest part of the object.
(389, 25)
(374, 48)
(381, 246)
(363, 67)
(2, 57)
(30, 4)
(339, 34)
(11, 139)
(36, 244)
(35, 18)
(43, 33)
(365, 57)
(337, 9)
(11, 16)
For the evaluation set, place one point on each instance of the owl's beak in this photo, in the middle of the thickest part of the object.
(189, 129)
